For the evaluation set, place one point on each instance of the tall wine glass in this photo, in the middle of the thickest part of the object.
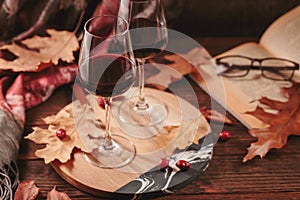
(149, 37)
(107, 69)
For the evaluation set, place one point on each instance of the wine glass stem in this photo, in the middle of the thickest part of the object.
(107, 101)
(142, 102)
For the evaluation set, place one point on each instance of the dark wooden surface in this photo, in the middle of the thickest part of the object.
(229, 18)
(275, 177)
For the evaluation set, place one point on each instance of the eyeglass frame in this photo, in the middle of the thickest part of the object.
(260, 67)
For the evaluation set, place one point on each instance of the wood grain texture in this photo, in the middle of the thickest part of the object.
(275, 177)
(230, 18)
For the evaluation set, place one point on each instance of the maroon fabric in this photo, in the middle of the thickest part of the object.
(107, 7)
(22, 91)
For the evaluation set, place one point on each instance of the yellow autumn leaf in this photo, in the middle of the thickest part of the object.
(56, 148)
(41, 51)
(179, 137)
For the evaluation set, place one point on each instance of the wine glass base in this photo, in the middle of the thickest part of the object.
(118, 154)
(142, 121)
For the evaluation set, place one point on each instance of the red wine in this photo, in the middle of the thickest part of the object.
(146, 52)
(146, 40)
(107, 75)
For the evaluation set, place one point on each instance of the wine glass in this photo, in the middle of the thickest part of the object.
(107, 70)
(149, 37)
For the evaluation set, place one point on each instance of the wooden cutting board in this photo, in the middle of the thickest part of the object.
(142, 176)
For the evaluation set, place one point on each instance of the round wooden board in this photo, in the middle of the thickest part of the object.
(130, 180)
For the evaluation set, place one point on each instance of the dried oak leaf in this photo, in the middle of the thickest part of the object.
(41, 52)
(56, 148)
(55, 195)
(26, 190)
(174, 70)
(285, 122)
(172, 67)
(214, 115)
(179, 137)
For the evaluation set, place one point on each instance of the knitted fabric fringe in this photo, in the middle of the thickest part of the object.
(9, 180)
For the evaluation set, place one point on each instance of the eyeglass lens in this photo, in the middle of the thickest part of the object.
(276, 69)
(234, 66)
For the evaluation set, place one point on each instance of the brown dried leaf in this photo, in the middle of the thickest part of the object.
(215, 116)
(41, 51)
(56, 148)
(55, 195)
(281, 124)
(173, 67)
(176, 68)
(26, 190)
(173, 137)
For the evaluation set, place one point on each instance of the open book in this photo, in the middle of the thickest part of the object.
(281, 39)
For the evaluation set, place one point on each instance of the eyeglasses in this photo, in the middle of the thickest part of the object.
(271, 68)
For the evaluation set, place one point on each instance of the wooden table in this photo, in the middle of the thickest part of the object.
(275, 177)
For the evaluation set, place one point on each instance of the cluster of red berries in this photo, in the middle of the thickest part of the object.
(185, 165)
(181, 164)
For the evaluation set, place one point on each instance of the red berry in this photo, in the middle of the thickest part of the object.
(163, 163)
(61, 133)
(101, 102)
(183, 165)
(225, 135)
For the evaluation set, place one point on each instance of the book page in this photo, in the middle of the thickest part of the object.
(254, 85)
(282, 38)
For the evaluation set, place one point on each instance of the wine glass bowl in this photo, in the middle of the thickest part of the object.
(107, 70)
(148, 28)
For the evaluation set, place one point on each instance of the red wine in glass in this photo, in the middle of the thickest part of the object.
(106, 69)
(148, 38)
(107, 75)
